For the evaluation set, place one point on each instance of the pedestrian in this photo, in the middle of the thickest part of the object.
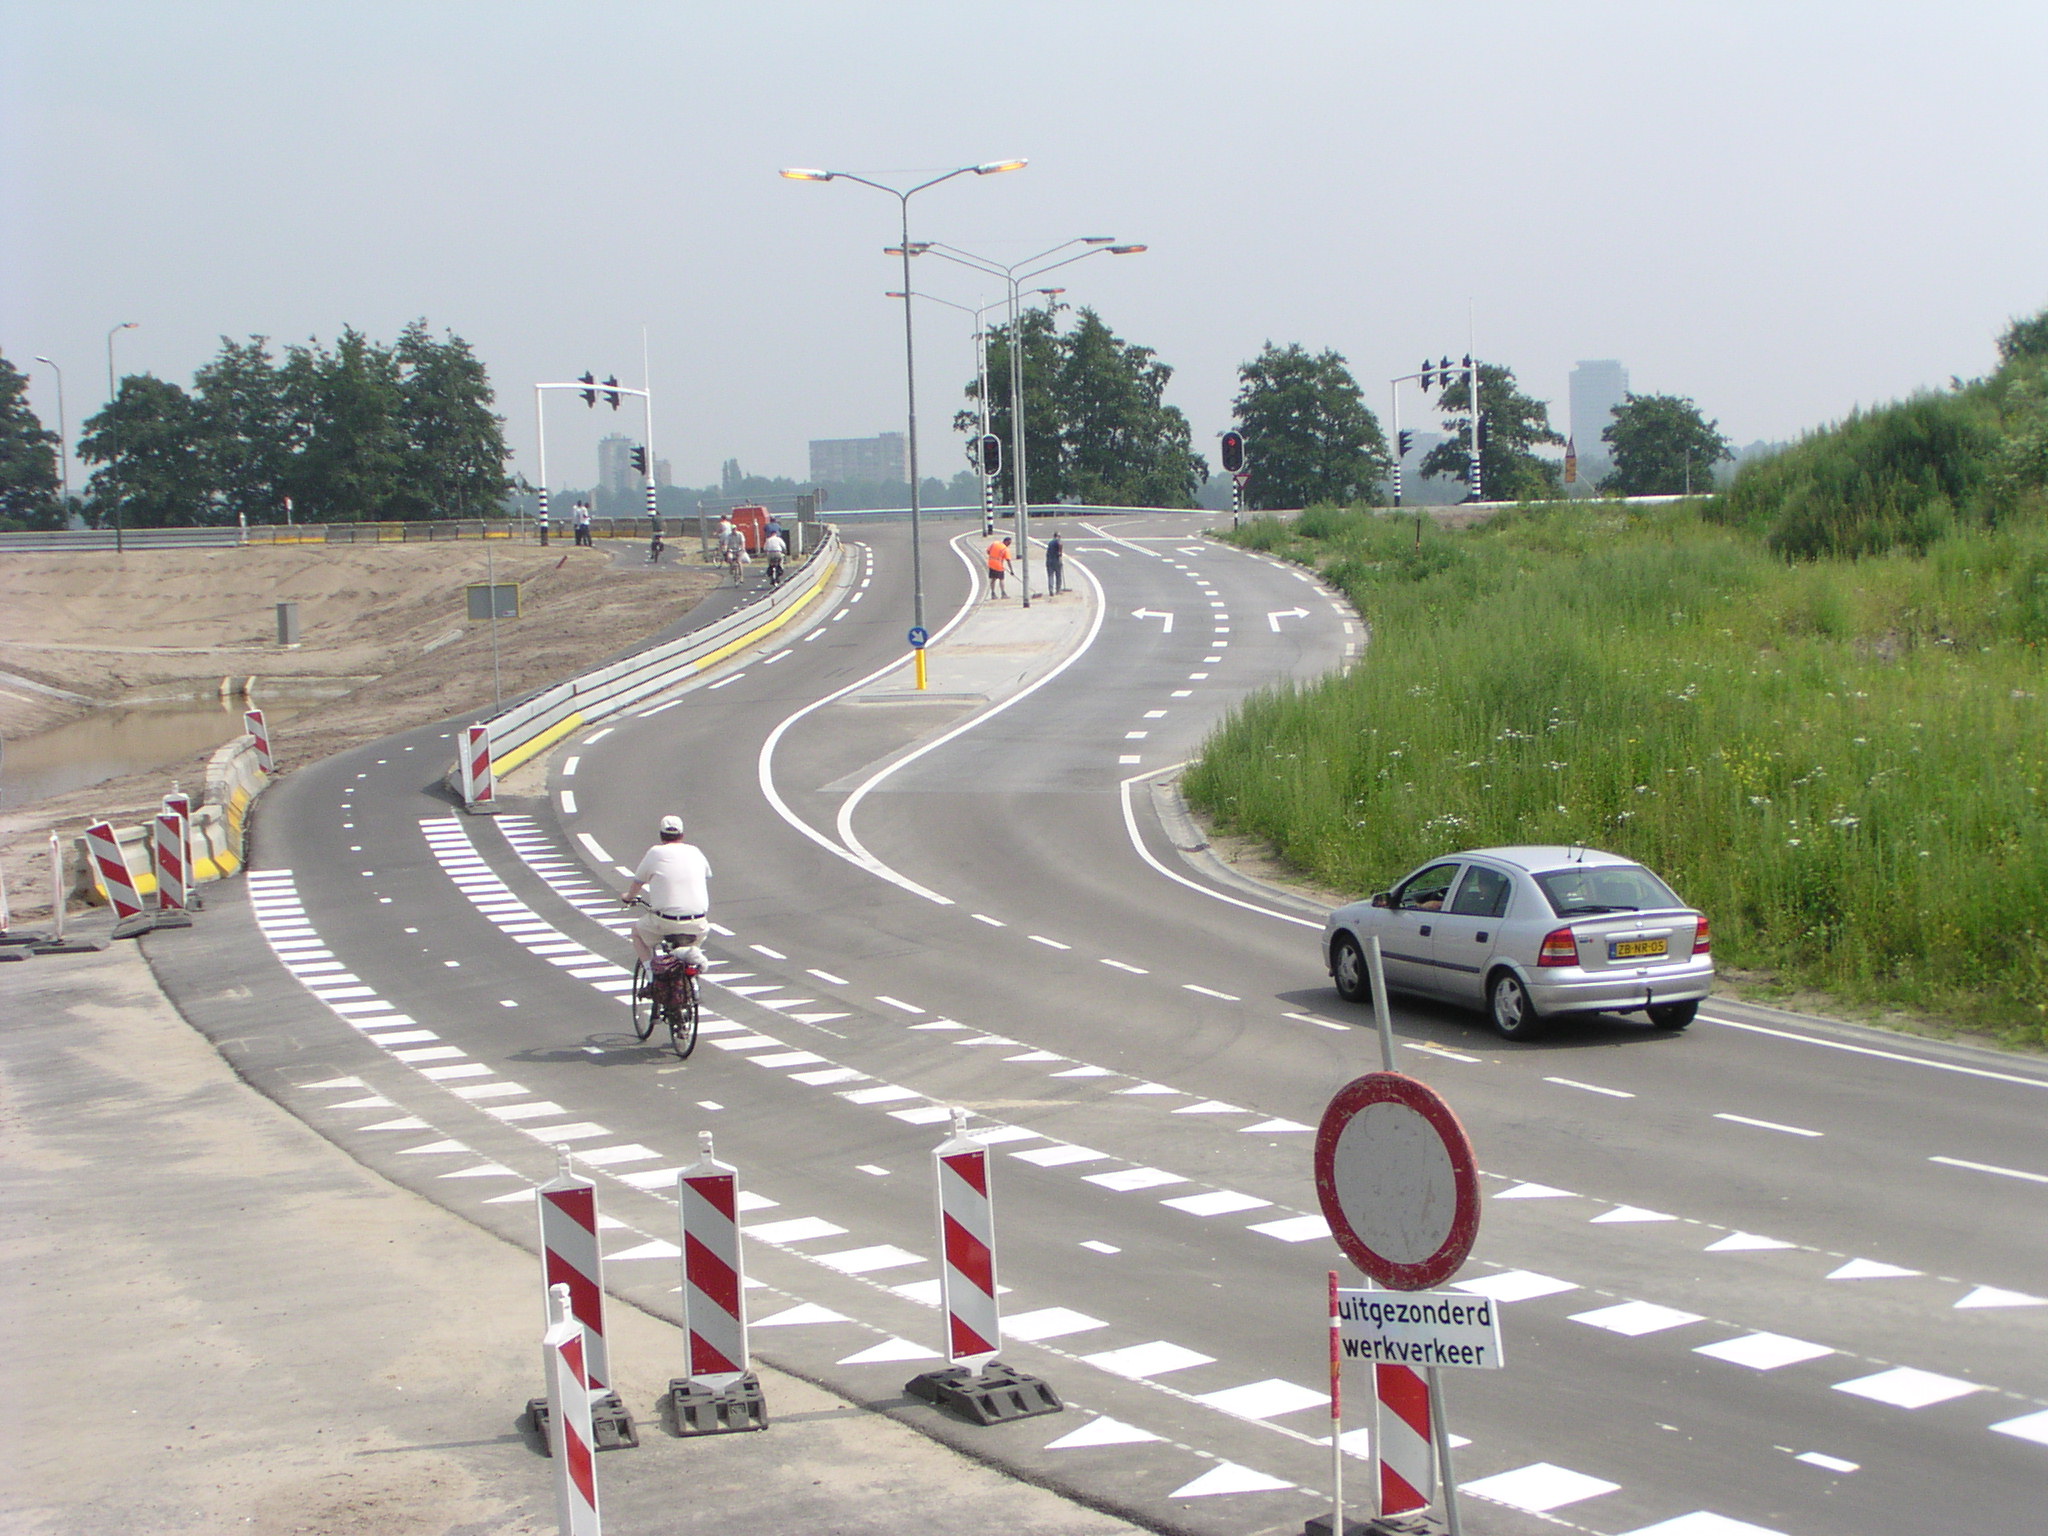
(582, 519)
(676, 877)
(998, 566)
(1055, 566)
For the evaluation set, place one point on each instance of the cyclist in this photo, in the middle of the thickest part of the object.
(735, 552)
(773, 549)
(675, 876)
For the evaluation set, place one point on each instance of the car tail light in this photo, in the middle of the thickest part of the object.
(1702, 944)
(1559, 948)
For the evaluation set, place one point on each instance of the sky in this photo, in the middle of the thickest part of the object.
(1783, 210)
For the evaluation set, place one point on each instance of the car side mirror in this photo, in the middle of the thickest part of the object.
(1383, 899)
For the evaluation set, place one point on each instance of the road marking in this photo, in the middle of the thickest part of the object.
(1039, 938)
(827, 976)
(570, 765)
(769, 661)
(1904, 1387)
(1870, 1269)
(1830, 1463)
(894, 1002)
(1189, 986)
(1768, 1125)
(1439, 1050)
(1099, 1247)
(1150, 714)
(568, 802)
(1136, 735)
(993, 922)
(1135, 970)
(1182, 693)
(763, 949)
(726, 682)
(1900, 1056)
(1139, 1361)
(596, 848)
(1572, 1082)
(1216, 1202)
(1309, 1018)
(2009, 1173)
(1764, 1351)
(1633, 1319)
(1515, 1285)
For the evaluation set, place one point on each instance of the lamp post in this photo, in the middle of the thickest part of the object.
(1015, 277)
(126, 325)
(63, 439)
(980, 393)
(906, 250)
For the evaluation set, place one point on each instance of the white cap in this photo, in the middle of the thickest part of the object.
(672, 824)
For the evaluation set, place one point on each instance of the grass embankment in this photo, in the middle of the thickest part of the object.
(1841, 762)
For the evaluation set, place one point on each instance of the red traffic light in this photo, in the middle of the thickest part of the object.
(991, 454)
(1233, 452)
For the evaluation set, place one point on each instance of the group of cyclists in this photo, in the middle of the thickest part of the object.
(732, 545)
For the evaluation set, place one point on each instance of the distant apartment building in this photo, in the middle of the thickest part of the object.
(1597, 388)
(883, 458)
(615, 464)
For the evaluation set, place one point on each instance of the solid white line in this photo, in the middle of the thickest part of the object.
(597, 736)
(2010, 1173)
(1771, 1125)
(1138, 842)
(1866, 1050)
(596, 848)
(1572, 1082)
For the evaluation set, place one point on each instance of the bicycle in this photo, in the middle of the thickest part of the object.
(667, 995)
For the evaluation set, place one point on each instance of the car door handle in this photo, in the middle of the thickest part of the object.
(1479, 937)
(1425, 930)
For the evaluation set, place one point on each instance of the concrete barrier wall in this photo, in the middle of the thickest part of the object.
(220, 824)
(535, 724)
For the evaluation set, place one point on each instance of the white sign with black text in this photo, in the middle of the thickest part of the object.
(1449, 1329)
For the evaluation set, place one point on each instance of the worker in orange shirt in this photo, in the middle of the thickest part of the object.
(998, 566)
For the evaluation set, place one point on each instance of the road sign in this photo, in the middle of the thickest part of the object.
(1397, 1181)
(1421, 1329)
(918, 636)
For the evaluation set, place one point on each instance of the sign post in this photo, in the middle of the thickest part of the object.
(919, 637)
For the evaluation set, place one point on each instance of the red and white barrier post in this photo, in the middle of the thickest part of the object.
(479, 789)
(110, 864)
(173, 875)
(1402, 1441)
(568, 1422)
(720, 1395)
(252, 724)
(570, 1257)
(967, 1287)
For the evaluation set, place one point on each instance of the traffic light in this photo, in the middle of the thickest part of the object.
(1233, 452)
(1428, 372)
(589, 395)
(611, 394)
(1407, 441)
(991, 459)
(639, 460)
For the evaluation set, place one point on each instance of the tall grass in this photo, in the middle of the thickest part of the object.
(1843, 763)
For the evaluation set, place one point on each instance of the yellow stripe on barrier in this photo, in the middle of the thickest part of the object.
(782, 618)
(500, 766)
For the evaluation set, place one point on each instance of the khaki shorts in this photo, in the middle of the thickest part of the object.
(653, 927)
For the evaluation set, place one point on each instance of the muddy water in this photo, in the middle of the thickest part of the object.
(110, 743)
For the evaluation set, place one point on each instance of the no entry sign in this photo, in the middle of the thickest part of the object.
(1397, 1181)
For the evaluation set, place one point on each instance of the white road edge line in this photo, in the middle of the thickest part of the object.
(1870, 1050)
(2010, 1173)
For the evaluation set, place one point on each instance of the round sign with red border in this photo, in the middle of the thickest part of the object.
(1397, 1181)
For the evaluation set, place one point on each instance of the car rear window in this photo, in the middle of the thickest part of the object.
(1591, 890)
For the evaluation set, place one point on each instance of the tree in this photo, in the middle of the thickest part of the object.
(1662, 446)
(249, 434)
(1097, 427)
(1515, 424)
(348, 403)
(454, 443)
(148, 443)
(28, 458)
(1309, 436)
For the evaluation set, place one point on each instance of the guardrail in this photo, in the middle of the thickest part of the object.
(235, 537)
(536, 723)
(220, 824)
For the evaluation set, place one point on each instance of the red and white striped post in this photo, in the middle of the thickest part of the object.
(110, 864)
(252, 723)
(57, 891)
(714, 1295)
(173, 871)
(1402, 1442)
(1336, 1413)
(570, 1256)
(568, 1420)
(479, 789)
(721, 1395)
(967, 1238)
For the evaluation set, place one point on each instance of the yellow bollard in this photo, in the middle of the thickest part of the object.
(920, 668)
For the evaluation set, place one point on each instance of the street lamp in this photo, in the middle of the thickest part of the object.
(125, 325)
(1015, 278)
(63, 438)
(906, 250)
(981, 395)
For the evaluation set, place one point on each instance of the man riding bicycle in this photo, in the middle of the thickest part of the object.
(735, 552)
(773, 549)
(675, 876)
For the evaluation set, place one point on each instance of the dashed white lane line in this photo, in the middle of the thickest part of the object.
(1120, 965)
(1189, 986)
(1572, 1082)
(596, 848)
(568, 802)
(1039, 938)
(1771, 1125)
(727, 682)
(993, 922)
(895, 1002)
(596, 736)
(2008, 1173)
(570, 765)
(828, 977)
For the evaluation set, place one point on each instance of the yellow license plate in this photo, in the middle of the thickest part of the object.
(1634, 949)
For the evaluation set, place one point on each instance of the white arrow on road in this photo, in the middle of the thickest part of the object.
(1285, 613)
(1154, 613)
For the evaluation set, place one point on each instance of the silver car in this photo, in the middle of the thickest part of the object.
(1529, 934)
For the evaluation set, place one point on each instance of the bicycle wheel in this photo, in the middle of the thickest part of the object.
(643, 1006)
(682, 1019)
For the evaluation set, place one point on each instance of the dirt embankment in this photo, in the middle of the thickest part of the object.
(389, 621)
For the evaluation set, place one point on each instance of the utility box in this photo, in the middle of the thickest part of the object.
(750, 521)
(493, 602)
(287, 623)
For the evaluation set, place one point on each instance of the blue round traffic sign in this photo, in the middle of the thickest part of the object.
(918, 636)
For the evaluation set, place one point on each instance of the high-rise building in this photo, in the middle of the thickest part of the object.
(615, 464)
(883, 458)
(1597, 389)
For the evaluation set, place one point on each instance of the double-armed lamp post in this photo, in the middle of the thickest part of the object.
(906, 250)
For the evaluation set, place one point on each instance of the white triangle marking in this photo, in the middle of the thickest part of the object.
(1102, 1431)
(1533, 1192)
(1227, 1477)
(803, 1312)
(1745, 1242)
(1632, 1213)
(1870, 1269)
(891, 1349)
(1992, 1296)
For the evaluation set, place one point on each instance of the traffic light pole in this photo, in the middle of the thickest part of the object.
(589, 387)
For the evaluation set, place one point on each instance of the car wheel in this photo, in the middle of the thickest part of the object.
(1673, 1015)
(1514, 1016)
(1347, 969)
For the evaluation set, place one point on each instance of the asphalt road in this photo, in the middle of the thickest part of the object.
(1768, 1275)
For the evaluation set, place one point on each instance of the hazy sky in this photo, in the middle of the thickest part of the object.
(1782, 209)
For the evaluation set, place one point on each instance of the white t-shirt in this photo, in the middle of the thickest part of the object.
(772, 546)
(675, 878)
